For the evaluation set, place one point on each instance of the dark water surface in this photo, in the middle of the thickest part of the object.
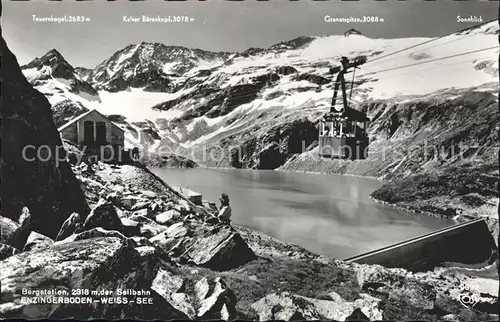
(327, 214)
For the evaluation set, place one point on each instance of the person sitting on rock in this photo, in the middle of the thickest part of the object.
(225, 209)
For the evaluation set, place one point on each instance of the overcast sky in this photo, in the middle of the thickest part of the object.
(218, 26)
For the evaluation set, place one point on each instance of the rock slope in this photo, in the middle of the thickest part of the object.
(43, 184)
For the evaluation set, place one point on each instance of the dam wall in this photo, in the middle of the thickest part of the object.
(467, 243)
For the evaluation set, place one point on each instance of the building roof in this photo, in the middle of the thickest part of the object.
(79, 117)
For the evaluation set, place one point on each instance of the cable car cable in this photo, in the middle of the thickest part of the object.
(445, 65)
(250, 94)
(428, 41)
(431, 60)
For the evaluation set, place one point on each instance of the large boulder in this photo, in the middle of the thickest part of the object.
(46, 185)
(158, 206)
(25, 217)
(103, 215)
(286, 306)
(37, 242)
(141, 241)
(26, 227)
(369, 306)
(334, 307)
(13, 233)
(145, 212)
(130, 227)
(170, 245)
(215, 300)
(125, 202)
(397, 285)
(114, 197)
(168, 217)
(172, 288)
(70, 226)
(357, 315)
(141, 205)
(417, 294)
(92, 233)
(221, 249)
(9, 230)
(177, 230)
(149, 227)
(100, 264)
(149, 194)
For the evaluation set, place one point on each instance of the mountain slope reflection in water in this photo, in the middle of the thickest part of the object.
(327, 214)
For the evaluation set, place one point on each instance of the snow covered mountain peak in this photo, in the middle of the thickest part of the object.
(52, 75)
(153, 66)
(52, 64)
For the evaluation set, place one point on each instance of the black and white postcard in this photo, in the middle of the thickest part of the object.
(250, 160)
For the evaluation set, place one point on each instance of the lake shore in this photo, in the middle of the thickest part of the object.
(461, 193)
(324, 214)
(268, 247)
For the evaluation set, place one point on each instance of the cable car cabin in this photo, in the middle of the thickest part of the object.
(343, 135)
(342, 131)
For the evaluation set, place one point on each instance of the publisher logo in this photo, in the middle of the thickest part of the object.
(468, 296)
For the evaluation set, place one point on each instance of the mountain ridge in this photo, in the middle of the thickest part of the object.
(170, 91)
(52, 73)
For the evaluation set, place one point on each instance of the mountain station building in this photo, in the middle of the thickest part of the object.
(96, 133)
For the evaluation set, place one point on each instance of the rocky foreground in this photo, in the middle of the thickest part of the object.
(141, 235)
